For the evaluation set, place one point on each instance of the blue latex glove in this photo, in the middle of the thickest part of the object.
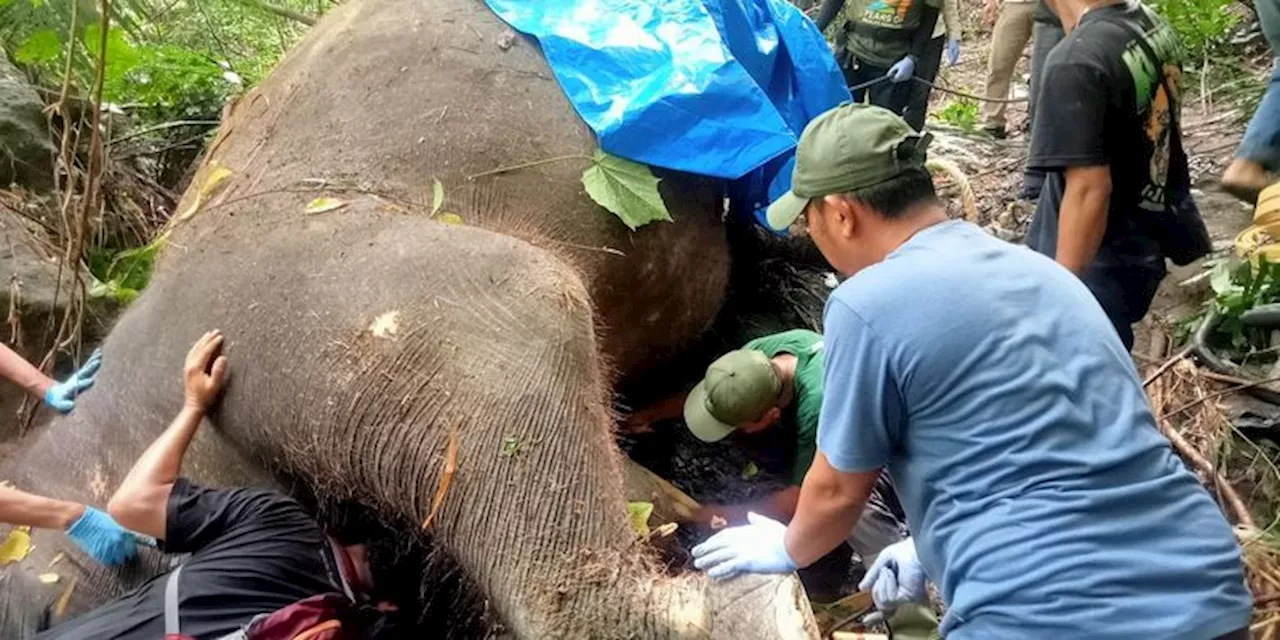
(902, 70)
(953, 52)
(895, 578)
(753, 548)
(103, 538)
(61, 397)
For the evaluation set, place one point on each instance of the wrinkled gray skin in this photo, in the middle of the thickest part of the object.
(360, 339)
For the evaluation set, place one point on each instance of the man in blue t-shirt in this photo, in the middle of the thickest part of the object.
(988, 380)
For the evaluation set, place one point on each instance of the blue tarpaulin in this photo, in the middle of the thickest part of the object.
(720, 88)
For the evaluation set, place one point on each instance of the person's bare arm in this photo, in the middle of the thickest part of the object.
(642, 421)
(17, 370)
(1082, 217)
(779, 505)
(142, 500)
(830, 503)
(26, 509)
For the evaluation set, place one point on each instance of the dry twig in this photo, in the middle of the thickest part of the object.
(446, 478)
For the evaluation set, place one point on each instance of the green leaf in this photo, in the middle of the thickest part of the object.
(510, 447)
(437, 196)
(750, 470)
(321, 205)
(41, 47)
(627, 189)
(1220, 278)
(638, 514)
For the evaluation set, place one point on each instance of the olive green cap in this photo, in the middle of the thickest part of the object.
(739, 387)
(851, 147)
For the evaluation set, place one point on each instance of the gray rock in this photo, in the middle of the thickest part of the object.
(26, 150)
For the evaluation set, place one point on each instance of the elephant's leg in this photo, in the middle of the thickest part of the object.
(363, 343)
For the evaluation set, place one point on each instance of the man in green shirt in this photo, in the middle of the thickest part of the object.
(773, 382)
(882, 38)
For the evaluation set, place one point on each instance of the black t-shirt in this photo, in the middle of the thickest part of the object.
(1103, 102)
(252, 551)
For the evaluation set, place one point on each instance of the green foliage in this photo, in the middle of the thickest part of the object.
(960, 113)
(41, 48)
(122, 275)
(1239, 286)
(1202, 25)
(627, 189)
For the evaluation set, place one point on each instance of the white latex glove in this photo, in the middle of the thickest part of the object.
(756, 547)
(895, 578)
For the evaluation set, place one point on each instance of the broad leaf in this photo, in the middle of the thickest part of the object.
(627, 189)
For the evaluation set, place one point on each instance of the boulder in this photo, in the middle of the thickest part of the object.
(26, 149)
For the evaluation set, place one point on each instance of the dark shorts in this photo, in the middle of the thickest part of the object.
(1125, 292)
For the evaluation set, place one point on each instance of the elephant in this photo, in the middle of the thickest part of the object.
(379, 334)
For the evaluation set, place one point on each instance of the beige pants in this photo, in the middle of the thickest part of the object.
(1012, 32)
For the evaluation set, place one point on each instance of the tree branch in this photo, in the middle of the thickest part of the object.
(283, 12)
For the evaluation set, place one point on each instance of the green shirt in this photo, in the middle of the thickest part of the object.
(806, 346)
(880, 32)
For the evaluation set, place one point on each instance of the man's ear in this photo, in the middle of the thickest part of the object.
(847, 216)
(773, 415)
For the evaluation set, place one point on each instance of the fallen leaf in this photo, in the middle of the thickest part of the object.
(61, 607)
(750, 470)
(510, 446)
(718, 523)
(627, 189)
(216, 177)
(665, 530)
(437, 196)
(16, 545)
(446, 478)
(321, 205)
(639, 513)
(47, 578)
(451, 219)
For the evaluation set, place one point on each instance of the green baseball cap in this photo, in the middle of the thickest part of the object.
(851, 147)
(739, 387)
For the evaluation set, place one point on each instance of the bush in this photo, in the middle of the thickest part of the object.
(1202, 25)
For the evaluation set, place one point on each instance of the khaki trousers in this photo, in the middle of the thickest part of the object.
(1012, 32)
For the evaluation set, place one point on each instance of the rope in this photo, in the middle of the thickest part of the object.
(871, 83)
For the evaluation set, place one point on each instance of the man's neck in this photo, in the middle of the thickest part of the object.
(785, 364)
(1075, 10)
(901, 231)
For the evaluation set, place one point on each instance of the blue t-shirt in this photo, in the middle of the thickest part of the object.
(1044, 502)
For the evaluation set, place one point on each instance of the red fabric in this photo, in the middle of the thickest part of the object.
(302, 616)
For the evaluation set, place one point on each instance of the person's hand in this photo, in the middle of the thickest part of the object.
(61, 397)
(756, 547)
(204, 372)
(901, 70)
(990, 11)
(103, 538)
(953, 52)
(895, 578)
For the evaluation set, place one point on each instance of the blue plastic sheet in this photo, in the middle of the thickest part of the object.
(721, 88)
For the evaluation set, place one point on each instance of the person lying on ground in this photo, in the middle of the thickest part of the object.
(96, 532)
(1043, 499)
(59, 396)
(772, 382)
(253, 551)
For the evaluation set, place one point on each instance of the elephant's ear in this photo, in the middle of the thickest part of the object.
(627, 189)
